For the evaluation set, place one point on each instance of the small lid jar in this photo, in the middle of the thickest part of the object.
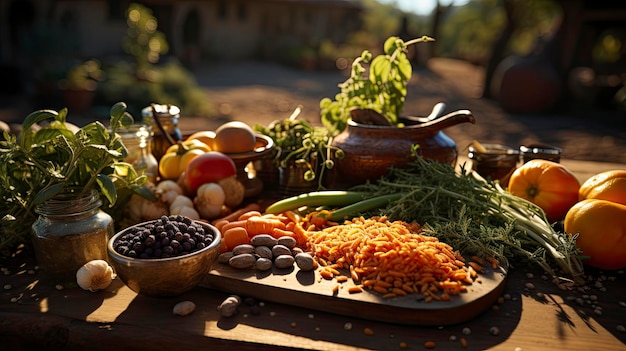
(498, 162)
(167, 117)
(138, 141)
(541, 151)
(70, 231)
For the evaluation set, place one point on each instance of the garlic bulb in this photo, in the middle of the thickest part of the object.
(95, 275)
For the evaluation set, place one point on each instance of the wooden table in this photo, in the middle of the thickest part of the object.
(533, 314)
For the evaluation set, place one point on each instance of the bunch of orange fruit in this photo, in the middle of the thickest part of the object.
(595, 210)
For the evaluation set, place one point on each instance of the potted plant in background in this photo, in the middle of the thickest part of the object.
(79, 85)
(367, 122)
(302, 153)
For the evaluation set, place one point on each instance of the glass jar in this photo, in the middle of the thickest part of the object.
(138, 140)
(498, 162)
(70, 231)
(541, 151)
(167, 117)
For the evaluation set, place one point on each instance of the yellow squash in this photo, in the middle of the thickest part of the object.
(601, 229)
(178, 156)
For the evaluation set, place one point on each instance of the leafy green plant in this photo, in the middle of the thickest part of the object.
(43, 161)
(296, 141)
(83, 76)
(382, 87)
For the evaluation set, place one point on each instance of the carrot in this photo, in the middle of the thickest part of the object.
(249, 214)
(233, 224)
(278, 232)
(220, 224)
(354, 289)
(391, 258)
(235, 236)
(262, 225)
(233, 216)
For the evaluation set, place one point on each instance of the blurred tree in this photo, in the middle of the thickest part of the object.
(486, 31)
(143, 40)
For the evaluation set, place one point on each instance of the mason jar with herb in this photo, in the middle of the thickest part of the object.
(70, 231)
(164, 122)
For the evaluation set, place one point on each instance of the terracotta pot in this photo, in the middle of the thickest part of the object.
(371, 149)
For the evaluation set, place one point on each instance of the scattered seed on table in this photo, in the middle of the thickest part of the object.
(8, 287)
(620, 328)
(368, 331)
(494, 331)
(452, 338)
(529, 286)
(58, 287)
(430, 344)
(622, 303)
(403, 345)
(463, 343)
(466, 331)
(293, 324)
(347, 326)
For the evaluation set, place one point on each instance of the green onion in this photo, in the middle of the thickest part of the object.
(348, 211)
(333, 198)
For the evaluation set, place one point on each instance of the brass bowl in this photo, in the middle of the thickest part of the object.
(161, 277)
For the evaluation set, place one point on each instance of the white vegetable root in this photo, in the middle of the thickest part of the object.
(95, 275)
(209, 200)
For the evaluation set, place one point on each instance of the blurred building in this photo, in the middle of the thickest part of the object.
(195, 30)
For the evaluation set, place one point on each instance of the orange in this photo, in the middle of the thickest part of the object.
(609, 185)
(601, 229)
(547, 184)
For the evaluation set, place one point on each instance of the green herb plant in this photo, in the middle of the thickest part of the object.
(44, 161)
(298, 142)
(382, 87)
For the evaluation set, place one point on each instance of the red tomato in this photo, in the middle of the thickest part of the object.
(209, 167)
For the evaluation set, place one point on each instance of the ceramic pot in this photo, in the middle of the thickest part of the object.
(371, 149)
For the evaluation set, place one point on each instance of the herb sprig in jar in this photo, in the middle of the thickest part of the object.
(44, 161)
(297, 141)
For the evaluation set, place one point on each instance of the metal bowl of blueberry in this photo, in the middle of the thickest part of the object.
(164, 257)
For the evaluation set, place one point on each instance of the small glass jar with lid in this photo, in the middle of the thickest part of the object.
(138, 141)
(162, 118)
(70, 231)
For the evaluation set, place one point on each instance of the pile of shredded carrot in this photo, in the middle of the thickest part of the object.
(391, 258)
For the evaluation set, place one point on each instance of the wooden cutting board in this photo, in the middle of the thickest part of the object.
(309, 290)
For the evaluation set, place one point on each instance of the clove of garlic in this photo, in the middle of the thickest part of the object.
(95, 275)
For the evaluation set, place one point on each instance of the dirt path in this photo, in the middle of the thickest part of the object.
(262, 92)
